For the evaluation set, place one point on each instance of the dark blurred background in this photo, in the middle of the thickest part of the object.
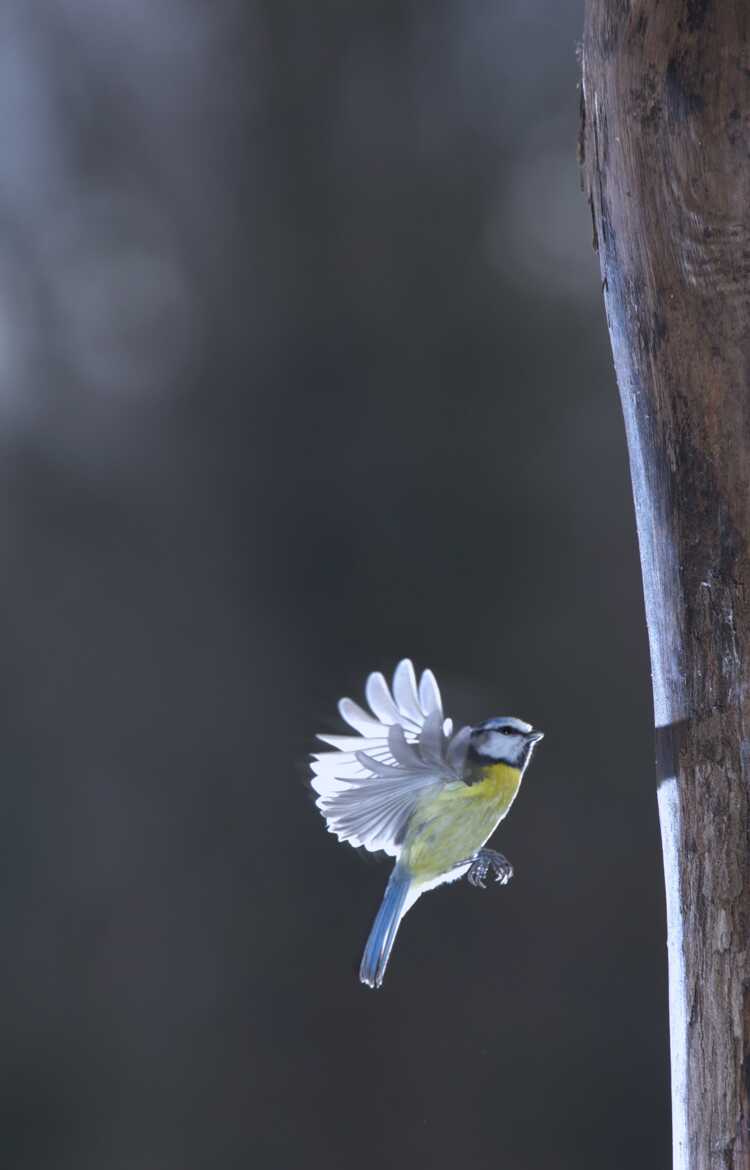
(303, 368)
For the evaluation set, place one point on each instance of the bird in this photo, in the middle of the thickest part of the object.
(406, 785)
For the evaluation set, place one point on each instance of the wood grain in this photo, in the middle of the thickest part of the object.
(665, 153)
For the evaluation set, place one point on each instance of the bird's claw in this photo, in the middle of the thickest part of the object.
(488, 861)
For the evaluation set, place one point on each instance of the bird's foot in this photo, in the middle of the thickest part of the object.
(488, 861)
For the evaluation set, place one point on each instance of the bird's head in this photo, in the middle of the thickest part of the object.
(503, 740)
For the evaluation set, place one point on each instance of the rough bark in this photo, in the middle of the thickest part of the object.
(665, 151)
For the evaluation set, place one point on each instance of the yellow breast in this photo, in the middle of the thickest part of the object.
(449, 827)
(497, 783)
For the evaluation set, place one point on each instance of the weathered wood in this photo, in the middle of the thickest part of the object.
(665, 150)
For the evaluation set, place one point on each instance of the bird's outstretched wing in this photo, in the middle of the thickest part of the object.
(368, 787)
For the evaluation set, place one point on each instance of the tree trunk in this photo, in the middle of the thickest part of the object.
(665, 147)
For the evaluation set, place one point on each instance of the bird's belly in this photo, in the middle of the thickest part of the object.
(447, 829)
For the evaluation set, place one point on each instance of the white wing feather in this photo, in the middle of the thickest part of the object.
(369, 785)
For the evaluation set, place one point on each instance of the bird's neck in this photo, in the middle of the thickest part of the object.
(495, 779)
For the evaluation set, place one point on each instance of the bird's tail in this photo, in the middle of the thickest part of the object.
(379, 945)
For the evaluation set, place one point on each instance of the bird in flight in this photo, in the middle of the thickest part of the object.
(406, 785)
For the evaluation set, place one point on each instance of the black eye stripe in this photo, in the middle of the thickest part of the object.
(503, 730)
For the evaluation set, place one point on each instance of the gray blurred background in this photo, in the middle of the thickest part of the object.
(303, 368)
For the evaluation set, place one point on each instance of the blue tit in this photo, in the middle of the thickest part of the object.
(406, 785)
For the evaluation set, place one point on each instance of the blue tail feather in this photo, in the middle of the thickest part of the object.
(383, 934)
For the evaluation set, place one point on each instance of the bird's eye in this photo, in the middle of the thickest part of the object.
(508, 731)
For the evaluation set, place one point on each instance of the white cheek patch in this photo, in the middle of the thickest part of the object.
(495, 744)
(500, 746)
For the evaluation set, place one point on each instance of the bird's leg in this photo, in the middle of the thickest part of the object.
(487, 861)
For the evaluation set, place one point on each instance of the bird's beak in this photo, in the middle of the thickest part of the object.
(535, 736)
